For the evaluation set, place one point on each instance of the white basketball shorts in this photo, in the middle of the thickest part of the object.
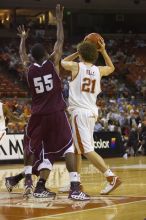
(83, 122)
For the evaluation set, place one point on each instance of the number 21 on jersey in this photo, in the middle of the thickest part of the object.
(43, 84)
(88, 85)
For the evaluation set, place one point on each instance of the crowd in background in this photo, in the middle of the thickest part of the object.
(127, 53)
(122, 106)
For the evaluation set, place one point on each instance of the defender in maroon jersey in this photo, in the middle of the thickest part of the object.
(48, 134)
(45, 87)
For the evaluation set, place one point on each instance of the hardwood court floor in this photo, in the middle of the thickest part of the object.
(128, 202)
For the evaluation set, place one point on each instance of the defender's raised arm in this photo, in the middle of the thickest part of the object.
(23, 34)
(57, 53)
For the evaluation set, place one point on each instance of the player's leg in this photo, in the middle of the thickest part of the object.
(78, 150)
(32, 149)
(28, 164)
(75, 188)
(83, 135)
(41, 169)
(62, 145)
(73, 164)
(12, 181)
(28, 184)
(78, 164)
(113, 181)
(40, 190)
(78, 157)
(96, 160)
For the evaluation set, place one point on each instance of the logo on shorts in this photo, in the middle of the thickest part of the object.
(101, 144)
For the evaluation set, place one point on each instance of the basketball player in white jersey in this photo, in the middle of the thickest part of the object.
(5, 112)
(83, 91)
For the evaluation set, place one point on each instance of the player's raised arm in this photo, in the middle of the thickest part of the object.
(23, 34)
(57, 52)
(69, 64)
(109, 68)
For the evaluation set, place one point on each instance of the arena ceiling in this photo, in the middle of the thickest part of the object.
(34, 7)
(77, 4)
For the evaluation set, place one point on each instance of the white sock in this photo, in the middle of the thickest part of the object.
(108, 172)
(73, 176)
(28, 170)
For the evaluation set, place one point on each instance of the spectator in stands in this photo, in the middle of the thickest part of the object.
(132, 121)
(122, 118)
(133, 140)
(139, 61)
(98, 126)
(143, 135)
(130, 59)
(111, 125)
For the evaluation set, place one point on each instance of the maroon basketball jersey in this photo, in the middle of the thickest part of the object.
(45, 87)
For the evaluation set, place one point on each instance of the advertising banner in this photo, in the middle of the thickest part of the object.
(108, 144)
(11, 147)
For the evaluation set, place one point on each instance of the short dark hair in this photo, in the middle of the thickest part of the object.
(88, 51)
(38, 51)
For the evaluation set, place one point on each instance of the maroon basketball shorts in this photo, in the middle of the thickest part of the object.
(48, 137)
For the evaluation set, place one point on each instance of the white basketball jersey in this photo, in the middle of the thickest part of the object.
(2, 118)
(84, 88)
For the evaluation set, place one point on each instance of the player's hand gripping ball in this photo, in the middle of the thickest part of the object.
(94, 38)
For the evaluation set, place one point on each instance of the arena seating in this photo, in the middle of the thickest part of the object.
(9, 89)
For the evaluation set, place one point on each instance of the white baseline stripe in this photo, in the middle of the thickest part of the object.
(123, 183)
(132, 166)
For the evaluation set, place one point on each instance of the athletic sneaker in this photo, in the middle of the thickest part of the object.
(76, 194)
(79, 196)
(42, 192)
(28, 186)
(112, 183)
(10, 183)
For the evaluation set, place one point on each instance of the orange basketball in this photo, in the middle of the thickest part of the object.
(94, 38)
